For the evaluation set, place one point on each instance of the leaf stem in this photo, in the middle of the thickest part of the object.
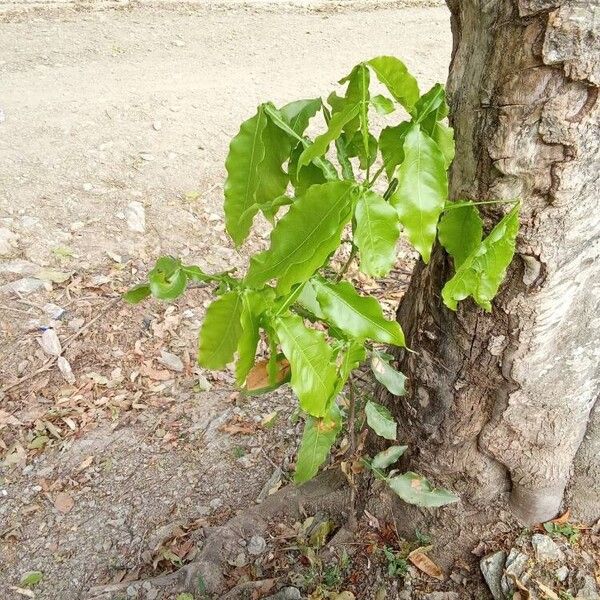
(376, 176)
(347, 264)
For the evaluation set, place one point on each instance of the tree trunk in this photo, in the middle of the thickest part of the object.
(499, 403)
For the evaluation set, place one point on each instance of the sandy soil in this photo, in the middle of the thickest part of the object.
(114, 126)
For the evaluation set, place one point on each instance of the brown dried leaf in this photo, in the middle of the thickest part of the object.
(63, 502)
(551, 594)
(258, 377)
(237, 425)
(564, 518)
(425, 564)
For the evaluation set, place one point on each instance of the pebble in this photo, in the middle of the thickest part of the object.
(203, 385)
(492, 567)
(50, 343)
(23, 286)
(8, 241)
(135, 214)
(257, 545)
(216, 503)
(65, 368)
(562, 573)
(546, 549)
(171, 361)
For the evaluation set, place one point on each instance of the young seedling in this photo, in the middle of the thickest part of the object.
(345, 186)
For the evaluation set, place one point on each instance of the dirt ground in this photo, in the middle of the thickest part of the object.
(114, 126)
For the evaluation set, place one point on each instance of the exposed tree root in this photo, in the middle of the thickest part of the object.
(329, 493)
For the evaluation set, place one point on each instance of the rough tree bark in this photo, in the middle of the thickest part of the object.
(499, 403)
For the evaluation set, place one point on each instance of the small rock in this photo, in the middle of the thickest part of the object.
(257, 545)
(270, 484)
(216, 503)
(54, 311)
(8, 241)
(441, 596)
(492, 567)
(50, 343)
(178, 43)
(562, 573)
(146, 156)
(287, 593)
(514, 568)
(203, 385)
(26, 285)
(239, 561)
(65, 369)
(157, 125)
(589, 590)
(546, 549)
(88, 187)
(136, 216)
(171, 361)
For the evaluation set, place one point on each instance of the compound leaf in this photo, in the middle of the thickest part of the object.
(220, 332)
(422, 190)
(360, 317)
(376, 234)
(393, 73)
(313, 372)
(318, 438)
(482, 272)
(380, 420)
(460, 231)
(415, 489)
(303, 238)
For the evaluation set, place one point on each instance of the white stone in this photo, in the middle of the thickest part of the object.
(135, 214)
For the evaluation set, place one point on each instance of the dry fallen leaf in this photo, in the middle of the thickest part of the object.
(564, 518)
(425, 564)
(63, 502)
(258, 377)
(551, 594)
(236, 425)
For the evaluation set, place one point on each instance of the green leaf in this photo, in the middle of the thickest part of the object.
(376, 234)
(482, 272)
(31, 579)
(313, 373)
(319, 146)
(220, 332)
(341, 147)
(303, 239)
(299, 113)
(254, 173)
(318, 438)
(431, 107)
(303, 178)
(383, 105)
(352, 356)
(308, 299)
(443, 136)
(391, 144)
(380, 420)
(388, 457)
(137, 294)
(254, 305)
(356, 148)
(246, 152)
(360, 317)
(167, 279)
(415, 489)
(422, 190)
(394, 381)
(460, 231)
(393, 73)
(358, 88)
(194, 273)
